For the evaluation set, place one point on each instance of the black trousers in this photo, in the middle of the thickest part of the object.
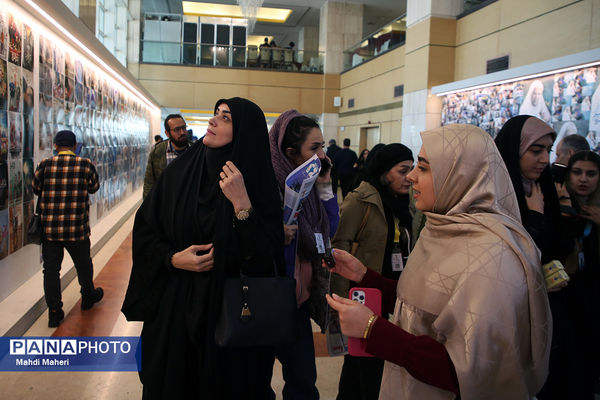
(52, 254)
(360, 378)
(298, 360)
(334, 182)
(346, 183)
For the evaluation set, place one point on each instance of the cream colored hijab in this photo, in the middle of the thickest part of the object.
(474, 279)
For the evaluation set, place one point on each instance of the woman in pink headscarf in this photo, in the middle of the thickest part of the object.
(471, 316)
(294, 139)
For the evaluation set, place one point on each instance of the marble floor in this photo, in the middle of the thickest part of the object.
(112, 267)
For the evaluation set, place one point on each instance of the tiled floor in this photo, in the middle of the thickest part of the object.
(112, 265)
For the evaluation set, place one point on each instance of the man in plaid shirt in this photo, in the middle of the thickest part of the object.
(63, 182)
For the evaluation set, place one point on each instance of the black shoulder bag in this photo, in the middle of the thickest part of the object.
(35, 229)
(257, 311)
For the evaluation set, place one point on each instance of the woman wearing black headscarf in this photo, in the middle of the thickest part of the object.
(524, 143)
(384, 243)
(213, 211)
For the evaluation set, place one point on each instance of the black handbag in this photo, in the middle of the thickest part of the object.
(257, 312)
(35, 229)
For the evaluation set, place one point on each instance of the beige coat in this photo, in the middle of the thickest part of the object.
(372, 240)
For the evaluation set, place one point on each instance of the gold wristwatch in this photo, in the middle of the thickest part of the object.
(243, 215)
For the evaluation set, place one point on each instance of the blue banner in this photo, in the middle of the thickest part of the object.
(84, 353)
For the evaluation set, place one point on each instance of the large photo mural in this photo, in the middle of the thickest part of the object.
(568, 101)
(112, 128)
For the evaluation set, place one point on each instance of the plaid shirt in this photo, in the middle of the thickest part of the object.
(172, 153)
(63, 183)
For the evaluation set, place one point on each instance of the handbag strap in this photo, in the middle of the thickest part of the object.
(246, 314)
(37, 205)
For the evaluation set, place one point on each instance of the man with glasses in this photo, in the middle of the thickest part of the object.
(166, 151)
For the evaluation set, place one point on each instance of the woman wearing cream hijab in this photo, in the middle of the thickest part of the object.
(471, 316)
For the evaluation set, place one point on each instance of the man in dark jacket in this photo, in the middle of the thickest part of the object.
(343, 164)
(568, 146)
(166, 151)
(331, 152)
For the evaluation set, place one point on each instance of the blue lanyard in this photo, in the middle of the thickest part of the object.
(588, 229)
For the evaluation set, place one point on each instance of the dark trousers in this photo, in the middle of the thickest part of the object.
(564, 375)
(346, 183)
(298, 361)
(246, 373)
(360, 378)
(52, 254)
(334, 182)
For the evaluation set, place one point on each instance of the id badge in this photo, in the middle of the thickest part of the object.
(397, 262)
(320, 243)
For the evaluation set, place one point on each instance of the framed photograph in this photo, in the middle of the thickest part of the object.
(3, 85)
(69, 66)
(28, 135)
(58, 111)
(46, 138)
(45, 106)
(15, 181)
(15, 135)
(59, 59)
(28, 92)
(70, 114)
(3, 35)
(15, 217)
(70, 90)
(28, 46)
(3, 137)
(46, 79)
(27, 179)
(58, 86)
(46, 52)
(4, 232)
(14, 36)
(15, 99)
(28, 209)
(78, 71)
(78, 93)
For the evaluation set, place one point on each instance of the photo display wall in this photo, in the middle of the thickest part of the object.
(112, 127)
(567, 101)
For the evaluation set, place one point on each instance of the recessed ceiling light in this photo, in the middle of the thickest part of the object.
(264, 14)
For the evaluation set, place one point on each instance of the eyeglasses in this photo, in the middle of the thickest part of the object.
(181, 128)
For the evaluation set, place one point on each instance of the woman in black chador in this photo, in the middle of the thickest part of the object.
(215, 209)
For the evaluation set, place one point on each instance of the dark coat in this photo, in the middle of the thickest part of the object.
(157, 162)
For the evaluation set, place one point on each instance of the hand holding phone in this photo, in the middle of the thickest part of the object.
(325, 166)
(371, 298)
(328, 258)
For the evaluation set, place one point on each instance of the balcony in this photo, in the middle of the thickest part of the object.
(279, 59)
(212, 42)
(380, 42)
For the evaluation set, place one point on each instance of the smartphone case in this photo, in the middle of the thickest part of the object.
(371, 298)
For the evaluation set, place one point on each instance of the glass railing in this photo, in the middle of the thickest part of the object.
(272, 58)
(385, 39)
(470, 6)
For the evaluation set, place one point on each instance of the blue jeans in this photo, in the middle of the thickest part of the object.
(298, 361)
